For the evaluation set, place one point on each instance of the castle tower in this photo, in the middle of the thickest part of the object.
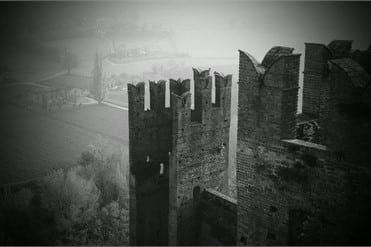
(150, 139)
(268, 94)
(291, 191)
(199, 157)
(346, 124)
(316, 70)
(175, 153)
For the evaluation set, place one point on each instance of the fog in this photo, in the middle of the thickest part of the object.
(64, 70)
(214, 28)
(221, 29)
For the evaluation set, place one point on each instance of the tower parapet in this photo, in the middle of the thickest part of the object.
(288, 188)
(188, 146)
(150, 136)
(316, 71)
(268, 96)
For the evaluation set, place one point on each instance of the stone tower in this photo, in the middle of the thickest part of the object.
(266, 114)
(315, 72)
(296, 192)
(175, 153)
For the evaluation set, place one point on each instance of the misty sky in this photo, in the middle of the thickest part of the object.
(220, 28)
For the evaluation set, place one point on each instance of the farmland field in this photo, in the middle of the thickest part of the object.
(79, 81)
(27, 66)
(34, 143)
(117, 97)
(104, 120)
(68, 81)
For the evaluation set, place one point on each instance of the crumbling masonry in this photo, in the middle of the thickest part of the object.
(291, 188)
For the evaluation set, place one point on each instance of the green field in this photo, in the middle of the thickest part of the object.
(27, 66)
(101, 119)
(68, 81)
(118, 98)
(35, 143)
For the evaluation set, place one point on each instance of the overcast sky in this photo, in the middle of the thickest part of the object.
(220, 28)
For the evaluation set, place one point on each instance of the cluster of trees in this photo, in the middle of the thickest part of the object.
(57, 102)
(69, 61)
(84, 205)
(97, 88)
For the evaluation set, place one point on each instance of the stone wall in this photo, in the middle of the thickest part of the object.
(267, 113)
(316, 57)
(200, 152)
(217, 215)
(150, 142)
(347, 122)
(301, 194)
(173, 152)
(294, 192)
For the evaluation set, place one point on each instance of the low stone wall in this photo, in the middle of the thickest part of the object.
(217, 219)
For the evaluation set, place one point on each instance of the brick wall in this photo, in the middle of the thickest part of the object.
(300, 194)
(150, 140)
(291, 191)
(315, 64)
(192, 147)
(217, 216)
(200, 152)
(346, 124)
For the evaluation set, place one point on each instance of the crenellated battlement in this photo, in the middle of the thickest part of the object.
(157, 93)
(279, 68)
(204, 110)
(169, 144)
(284, 182)
(180, 86)
(136, 96)
(268, 93)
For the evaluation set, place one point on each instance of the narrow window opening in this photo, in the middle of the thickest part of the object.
(192, 89)
(147, 97)
(161, 169)
(196, 193)
(213, 91)
(167, 94)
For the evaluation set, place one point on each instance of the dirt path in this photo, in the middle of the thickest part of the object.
(115, 106)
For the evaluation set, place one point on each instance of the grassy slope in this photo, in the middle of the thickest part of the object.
(69, 81)
(34, 143)
(117, 97)
(27, 66)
